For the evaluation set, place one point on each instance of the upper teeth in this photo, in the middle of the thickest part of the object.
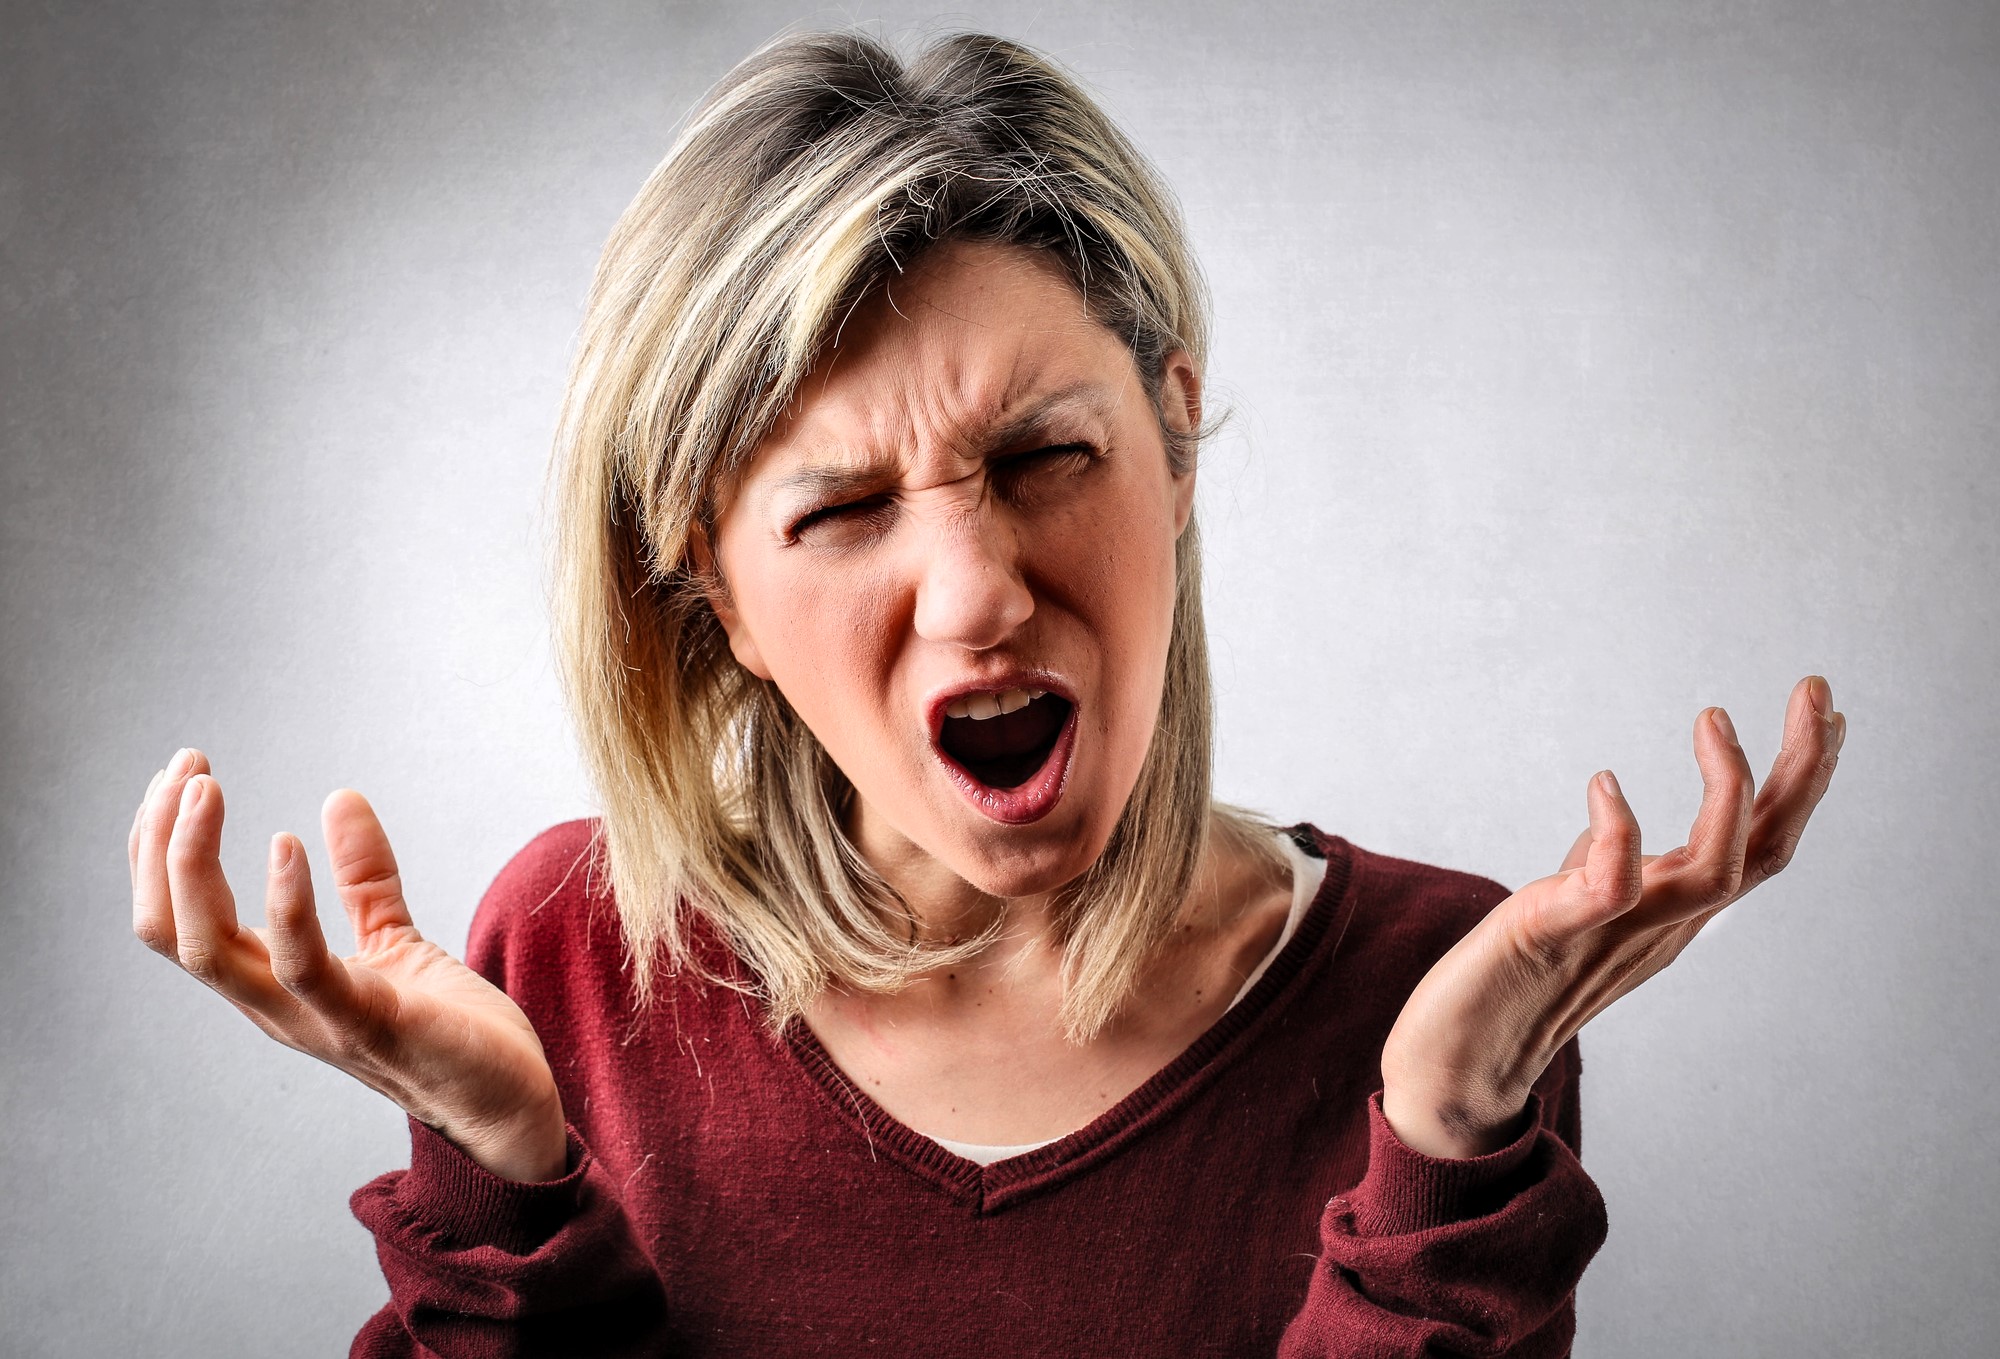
(979, 707)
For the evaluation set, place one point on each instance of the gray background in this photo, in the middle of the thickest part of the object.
(1591, 363)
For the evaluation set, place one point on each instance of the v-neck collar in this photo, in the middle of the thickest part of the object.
(993, 1187)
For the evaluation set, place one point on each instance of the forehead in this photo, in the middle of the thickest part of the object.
(973, 339)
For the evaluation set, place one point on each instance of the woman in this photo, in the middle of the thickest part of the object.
(951, 1015)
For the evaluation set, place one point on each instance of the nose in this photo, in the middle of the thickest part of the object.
(969, 591)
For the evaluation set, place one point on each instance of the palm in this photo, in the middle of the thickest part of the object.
(449, 1022)
(1488, 1017)
(400, 1013)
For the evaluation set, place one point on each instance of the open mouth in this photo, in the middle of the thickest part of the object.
(1008, 750)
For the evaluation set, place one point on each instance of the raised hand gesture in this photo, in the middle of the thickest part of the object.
(1490, 1015)
(400, 1015)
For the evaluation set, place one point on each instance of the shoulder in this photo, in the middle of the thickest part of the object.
(1402, 913)
(551, 891)
(556, 861)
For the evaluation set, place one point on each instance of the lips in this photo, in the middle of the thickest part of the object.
(1013, 764)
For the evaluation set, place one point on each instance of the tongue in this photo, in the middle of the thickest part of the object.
(1004, 751)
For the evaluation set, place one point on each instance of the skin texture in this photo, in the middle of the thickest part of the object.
(962, 547)
(958, 546)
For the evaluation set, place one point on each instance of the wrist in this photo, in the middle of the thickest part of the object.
(1451, 1126)
(531, 1148)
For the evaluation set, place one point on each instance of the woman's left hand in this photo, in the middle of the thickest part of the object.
(1490, 1015)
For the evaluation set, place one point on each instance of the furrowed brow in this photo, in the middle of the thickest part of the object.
(833, 481)
(1088, 397)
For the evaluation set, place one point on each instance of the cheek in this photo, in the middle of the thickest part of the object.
(1110, 563)
(828, 631)
(1110, 557)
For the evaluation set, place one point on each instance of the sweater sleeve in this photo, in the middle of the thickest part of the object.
(481, 1267)
(1477, 1257)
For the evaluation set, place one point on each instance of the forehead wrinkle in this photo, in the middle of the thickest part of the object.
(974, 438)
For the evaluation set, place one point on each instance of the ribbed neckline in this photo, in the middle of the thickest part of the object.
(992, 1187)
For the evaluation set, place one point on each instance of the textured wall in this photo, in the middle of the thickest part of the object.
(1592, 362)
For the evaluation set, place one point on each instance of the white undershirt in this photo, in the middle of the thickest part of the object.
(1307, 874)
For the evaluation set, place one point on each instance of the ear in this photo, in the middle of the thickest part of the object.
(1180, 407)
(716, 590)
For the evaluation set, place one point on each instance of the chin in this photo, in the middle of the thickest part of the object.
(1004, 863)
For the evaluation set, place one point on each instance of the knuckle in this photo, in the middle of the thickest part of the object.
(373, 888)
(198, 960)
(156, 820)
(1778, 856)
(153, 937)
(285, 968)
(1617, 892)
(295, 974)
(1713, 877)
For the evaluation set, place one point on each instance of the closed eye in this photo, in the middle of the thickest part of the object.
(1013, 476)
(1012, 472)
(860, 511)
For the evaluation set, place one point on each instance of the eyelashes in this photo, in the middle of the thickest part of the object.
(1021, 479)
(875, 507)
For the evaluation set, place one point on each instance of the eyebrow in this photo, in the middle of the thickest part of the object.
(831, 482)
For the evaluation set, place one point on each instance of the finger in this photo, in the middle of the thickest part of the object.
(207, 941)
(1798, 779)
(1607, 883)
(1707, 871)
(300, 959)
(1579, 849)
(138, 820)
(364, 867)
(152, 898)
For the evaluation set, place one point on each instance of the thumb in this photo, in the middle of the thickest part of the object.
(1601, 877)
(364, 867)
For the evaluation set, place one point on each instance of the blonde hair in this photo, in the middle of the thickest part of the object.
(814, 171)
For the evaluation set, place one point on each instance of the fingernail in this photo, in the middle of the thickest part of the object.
(1724, 725)
(1821, 694)
(182, 762)
(1609, 780)
(1839, 731)
(281, 851)
(190, 794)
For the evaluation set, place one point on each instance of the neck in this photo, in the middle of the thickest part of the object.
(1025, 960)
(947, 907)
(1007, 998)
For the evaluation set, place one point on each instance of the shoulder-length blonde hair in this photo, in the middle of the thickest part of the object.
(816, 169)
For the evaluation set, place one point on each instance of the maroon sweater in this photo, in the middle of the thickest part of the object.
(732, 1194)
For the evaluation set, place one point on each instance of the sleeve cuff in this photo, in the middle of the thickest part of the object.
(1405, 1190)
(466, 1204)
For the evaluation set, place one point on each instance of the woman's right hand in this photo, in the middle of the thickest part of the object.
(401, 1015)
